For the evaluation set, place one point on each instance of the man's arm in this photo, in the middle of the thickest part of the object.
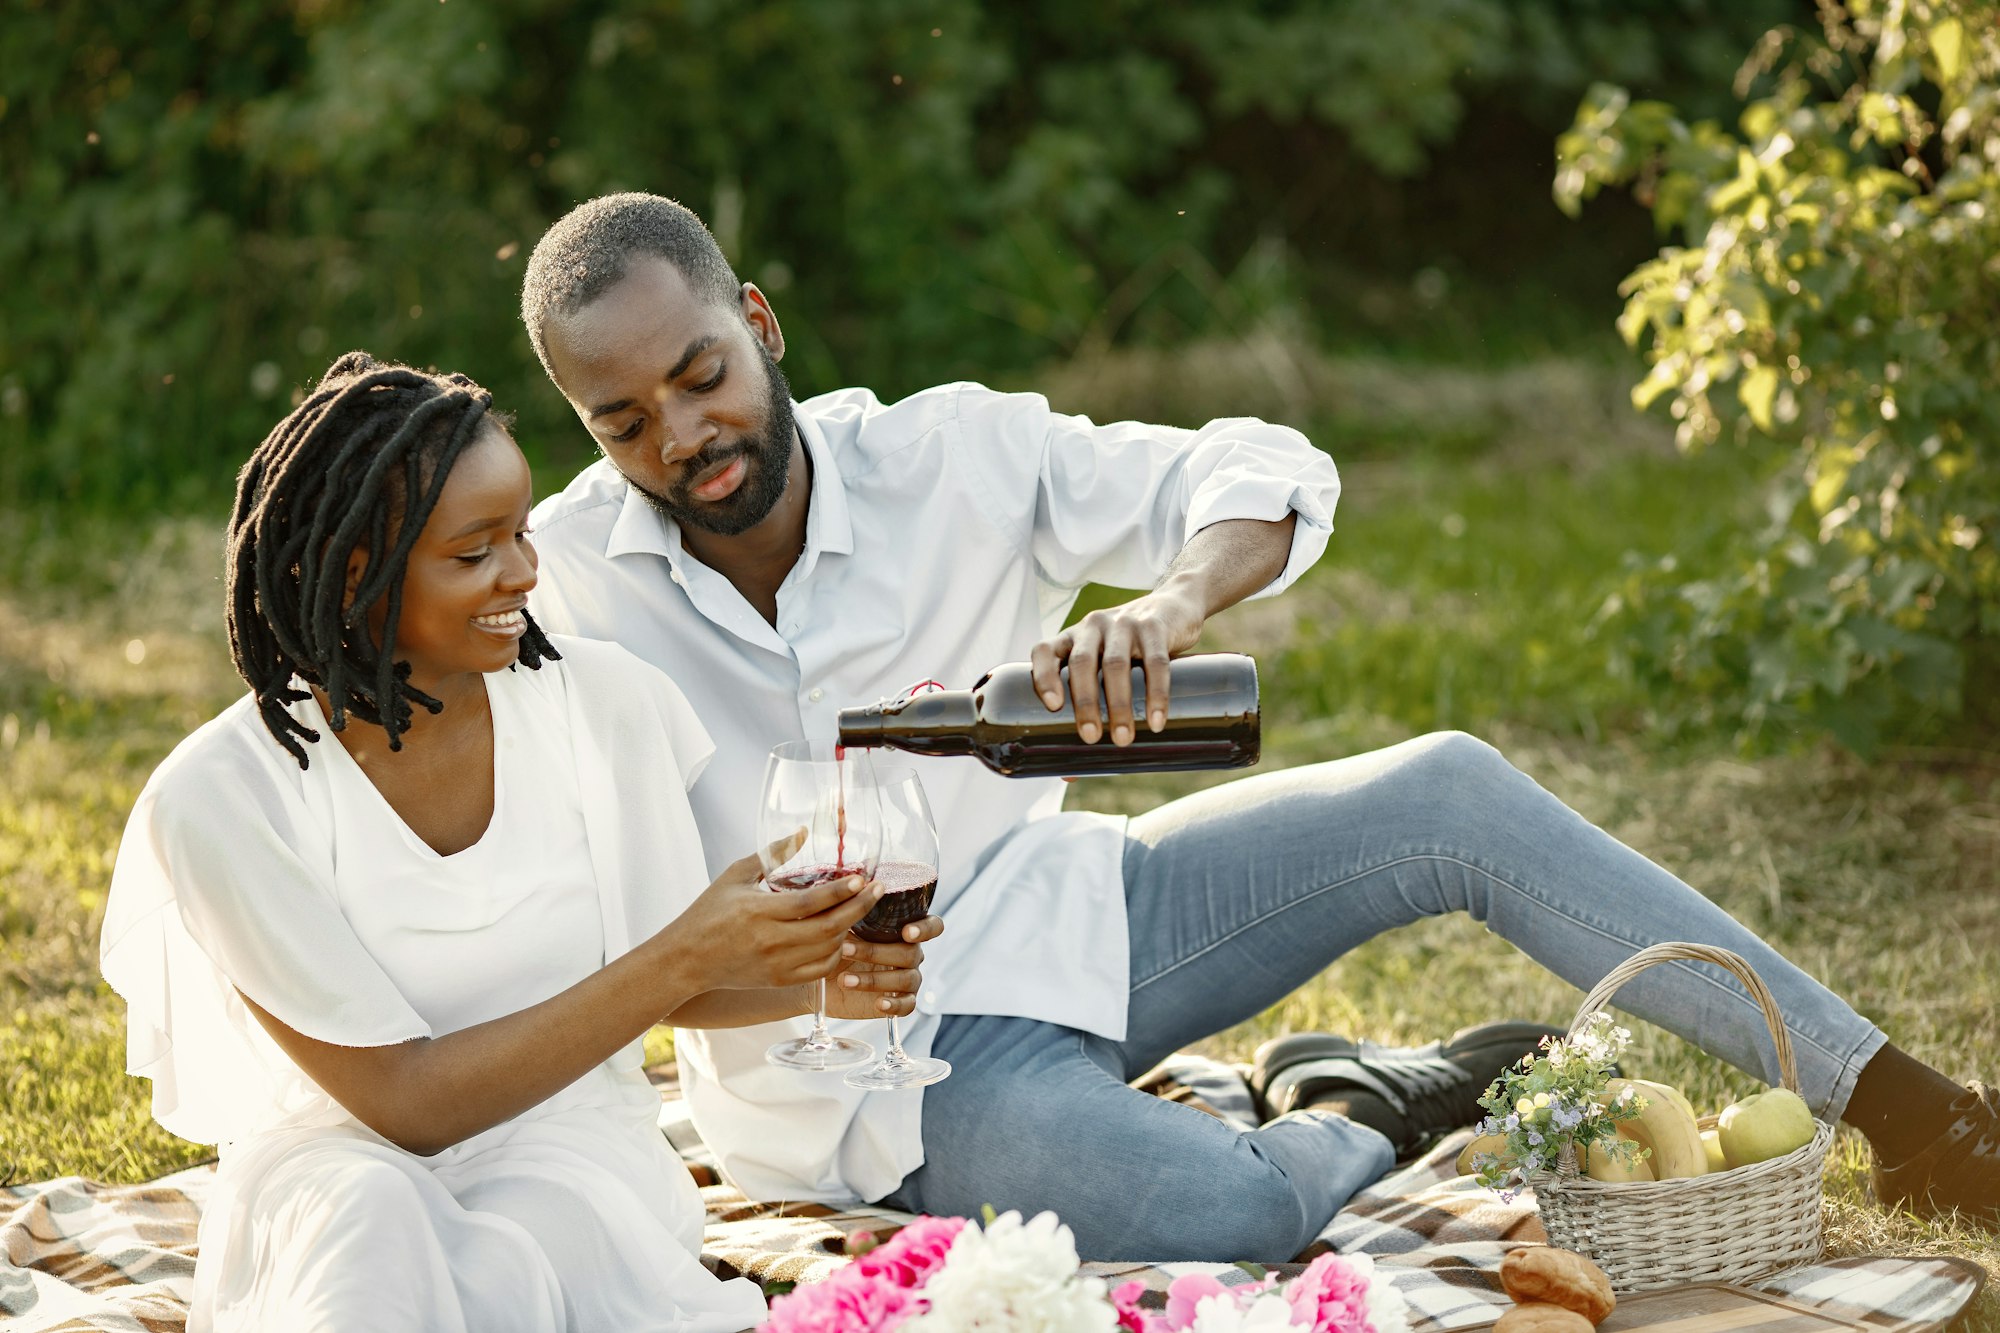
(1220, 566)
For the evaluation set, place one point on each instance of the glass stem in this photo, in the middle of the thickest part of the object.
(895, 1054)
(820, 1036)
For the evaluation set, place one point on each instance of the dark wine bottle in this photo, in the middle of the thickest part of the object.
(1211, 723)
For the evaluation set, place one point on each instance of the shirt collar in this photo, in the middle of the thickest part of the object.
(829, 527)
(641, 529)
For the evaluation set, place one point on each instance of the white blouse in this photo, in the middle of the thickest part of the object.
(488, 931)
(228, 879)
(306, 892)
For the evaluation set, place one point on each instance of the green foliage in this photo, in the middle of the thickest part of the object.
(1834, 308)
(200, 207)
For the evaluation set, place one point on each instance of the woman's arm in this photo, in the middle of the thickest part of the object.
(885, 982)
(429, 1094)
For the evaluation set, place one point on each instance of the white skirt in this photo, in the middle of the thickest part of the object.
(579, 1218)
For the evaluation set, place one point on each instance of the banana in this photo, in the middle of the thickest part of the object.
(1666, 1124)
(1711, 1142)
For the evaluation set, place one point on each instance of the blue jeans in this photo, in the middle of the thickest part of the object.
(1238, 895)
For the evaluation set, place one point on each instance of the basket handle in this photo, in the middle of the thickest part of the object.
(1674, 951)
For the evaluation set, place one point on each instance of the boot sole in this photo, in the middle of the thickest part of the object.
(1281, 1053)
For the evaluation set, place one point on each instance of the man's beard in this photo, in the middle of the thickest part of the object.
(767, 458)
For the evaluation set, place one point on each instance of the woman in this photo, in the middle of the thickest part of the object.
(401, 977)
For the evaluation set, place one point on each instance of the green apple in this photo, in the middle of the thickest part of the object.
(1765, 1125)
(1711, 1145)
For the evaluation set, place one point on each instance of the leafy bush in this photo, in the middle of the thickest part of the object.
(200, 206)
(1834, 306)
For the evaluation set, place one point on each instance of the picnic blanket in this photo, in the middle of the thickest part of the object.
(76, 1256)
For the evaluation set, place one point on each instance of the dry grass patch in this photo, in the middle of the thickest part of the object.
(1574, 411)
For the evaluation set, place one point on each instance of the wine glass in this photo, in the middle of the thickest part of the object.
(831, 799)
(908, 873)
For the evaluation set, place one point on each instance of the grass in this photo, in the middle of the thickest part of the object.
(1483, 514)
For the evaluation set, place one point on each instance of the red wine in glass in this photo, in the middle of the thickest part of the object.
(907, 888)
(811, 877)
(907, 870)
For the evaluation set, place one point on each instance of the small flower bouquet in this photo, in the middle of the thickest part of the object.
(949, 1275)
(1558, 1099)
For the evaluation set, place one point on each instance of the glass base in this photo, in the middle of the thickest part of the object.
(892, 1074)
(820, 1057)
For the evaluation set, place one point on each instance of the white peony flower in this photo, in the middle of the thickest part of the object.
(1388, 1309)
(1014, 1277)
(1224, 1313)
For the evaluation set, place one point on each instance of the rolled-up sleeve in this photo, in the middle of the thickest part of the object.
(1251, 469)
(1115, 503)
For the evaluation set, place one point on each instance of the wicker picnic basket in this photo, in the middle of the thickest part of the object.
(1730, 1226)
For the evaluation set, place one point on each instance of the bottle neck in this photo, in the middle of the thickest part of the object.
(940, 723)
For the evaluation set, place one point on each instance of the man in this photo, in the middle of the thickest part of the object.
(781, 560)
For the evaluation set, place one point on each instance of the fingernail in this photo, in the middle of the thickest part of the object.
(885, 1005)
(1052, 699)
(910, 934)
(1121, 736)
(849, 980)
(847, 951)
(1089, 733)
(1156, 719)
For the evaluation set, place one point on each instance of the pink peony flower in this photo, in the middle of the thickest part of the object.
(909, 1258)
(875, 1293)
(1345, 1294)
(841, 1304)
(1188, 1291)
(1132, 1319)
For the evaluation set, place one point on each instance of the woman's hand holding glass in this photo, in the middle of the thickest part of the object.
(744, 937)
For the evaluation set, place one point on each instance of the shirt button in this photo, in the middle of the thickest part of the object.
(817, 695)
(930, 1001)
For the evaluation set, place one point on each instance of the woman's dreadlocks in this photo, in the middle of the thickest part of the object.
(361, 461)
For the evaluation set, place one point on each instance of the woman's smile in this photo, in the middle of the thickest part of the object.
(506, 624)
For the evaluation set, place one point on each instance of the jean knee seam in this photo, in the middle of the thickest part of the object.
(1683, 966)
(1314, 895)
(1595, 927)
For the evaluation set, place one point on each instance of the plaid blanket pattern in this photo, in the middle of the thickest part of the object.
(80, 1257)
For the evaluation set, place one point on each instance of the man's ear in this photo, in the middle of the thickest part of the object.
(763, 321)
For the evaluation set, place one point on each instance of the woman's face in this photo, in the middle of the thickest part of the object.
(465, 587)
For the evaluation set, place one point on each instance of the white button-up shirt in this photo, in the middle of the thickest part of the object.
(946, 533)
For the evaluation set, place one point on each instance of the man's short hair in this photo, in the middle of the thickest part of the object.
(588, 250)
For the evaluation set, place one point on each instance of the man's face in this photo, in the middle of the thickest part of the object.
(684, 396)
